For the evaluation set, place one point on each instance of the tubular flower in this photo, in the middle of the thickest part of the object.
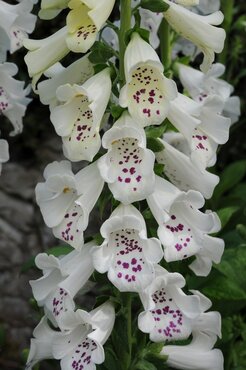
(76, 73)
(202, 86)
(169, 313)
(198, 29)
(78, 120)
(13, 100)
(4, 152)
(62, 279)
(16, 22)
(45, 53)
(80, 346)
(66, 200)
(147, 92)
(51, 8)
(182, 227)
(128, 167)
(84, 21)
(126, 253)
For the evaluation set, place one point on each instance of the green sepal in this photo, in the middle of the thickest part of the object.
(154, 144)
(157, 6)
(141, 31)
(116, 111)
(158, 169)
(101, 53)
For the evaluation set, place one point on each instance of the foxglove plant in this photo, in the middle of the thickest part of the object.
(154, 152)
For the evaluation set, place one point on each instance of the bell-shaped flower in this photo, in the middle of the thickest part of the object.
(16, 22)
(78, 119)
(4, 152)
(44, 53)
(182, 227)
(81, 345)
(126, 253)
(198, 355)
(151, 22)
(13, 100)
(202, 86)
(76, 73)
(51, 8)
(62, 279)
(66, 200)
(147, 92)
(184, 174)
(128, 167)
(199, 29)
(84, 21)
(168, 312)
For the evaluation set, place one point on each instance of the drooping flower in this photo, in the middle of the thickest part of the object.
(78, 120)
(182, 227)
(128, 167)
(16, 22)
(4, 152)
(76, 73)
(147, 92)
(44, 53)
(13, 100)
(66, 200)
(202, 86)
(62, 279)
(126, 253)
(84, 21)
(168, 313)
(199, 29)
(51, 8)
(183, 173)
(80, 346)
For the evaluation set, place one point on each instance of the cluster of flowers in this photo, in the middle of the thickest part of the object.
(78, 99)
(16, 22)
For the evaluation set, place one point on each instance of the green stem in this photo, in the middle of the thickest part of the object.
(227, 7)
(125, 25)
(165, 44)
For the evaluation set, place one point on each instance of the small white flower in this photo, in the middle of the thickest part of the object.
(126, 253)
(151, 21)
(168, 312)
(62, 279)
(76, 73)
(13, 100)
(199, 29)
(183, 173)
(84, 21)
(4, 152)
(78, 119)
(16, 22)
(66, 200)
(128, 167)
(147, 92)
(182, 227)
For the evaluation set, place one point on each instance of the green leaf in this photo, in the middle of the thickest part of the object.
(225, 214)
(155, 131)
(242, 231)
(100, 53)
(158, 169)
(231, 176)
(116, 111)
(55, 251)
(154, 144)
(145, 365)
(111, 361)
(156, 6)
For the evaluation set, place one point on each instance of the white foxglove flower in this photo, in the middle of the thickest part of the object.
(147, 92)
(184, 174)
(62, 279)
(76, 73)
(168, 312)
(128, 167)
(198, 355)
(208, 6)
(151, 21)
(16, 22)
(66, 200)
(78, 119)
(44, 53)
(84, 21)
(51, 8)
(13, 100)
(182, 227)
(199, 29)
(4, 152)
(126, 253)
(200, 86)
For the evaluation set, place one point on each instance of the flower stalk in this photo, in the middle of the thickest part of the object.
(125, 25)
